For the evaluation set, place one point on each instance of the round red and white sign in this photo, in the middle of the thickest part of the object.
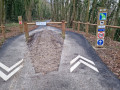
(20, 22)
(101, 35)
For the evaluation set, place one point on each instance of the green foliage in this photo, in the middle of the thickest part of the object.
(57, 10)
(28, 9)
(14, 8)
(12, 24)
(117, 34)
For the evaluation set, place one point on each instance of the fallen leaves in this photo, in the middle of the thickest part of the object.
(14, 31)
(110, 55)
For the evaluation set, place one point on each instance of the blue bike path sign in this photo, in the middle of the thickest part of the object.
(103, 16)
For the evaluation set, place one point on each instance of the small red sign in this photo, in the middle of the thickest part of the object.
(101, 35)
(20, 22)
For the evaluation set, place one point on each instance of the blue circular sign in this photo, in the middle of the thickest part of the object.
(100, 42)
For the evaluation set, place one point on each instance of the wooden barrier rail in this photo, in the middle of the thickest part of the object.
(63, 26)
(47, 23)
(3, 31)
(111, 26)
(87, 26)
(2, 26)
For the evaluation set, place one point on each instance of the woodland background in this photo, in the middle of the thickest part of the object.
(57, 10)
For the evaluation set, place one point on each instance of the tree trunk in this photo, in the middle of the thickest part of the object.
(116, 19)
(93, 11)
(87, 14)
(2, 11)
(51, 3)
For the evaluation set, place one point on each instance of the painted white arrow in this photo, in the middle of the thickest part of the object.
(82, 60)
(6, 77)
(12, 67)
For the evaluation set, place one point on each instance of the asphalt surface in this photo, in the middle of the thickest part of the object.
(82, 78)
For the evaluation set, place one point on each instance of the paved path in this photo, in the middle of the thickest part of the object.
(82, 78)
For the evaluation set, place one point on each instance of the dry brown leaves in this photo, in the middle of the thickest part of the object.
(110, 54)
(14, 31)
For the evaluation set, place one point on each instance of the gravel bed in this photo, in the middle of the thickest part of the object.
(45, 50)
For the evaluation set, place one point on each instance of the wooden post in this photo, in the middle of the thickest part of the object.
(78, 27)
(101, 25)
(87, 28)
(73, 26)
(113, 33)
(63, 29)
(3, 31)
(20, 23)
(26, 31)
(21, 28)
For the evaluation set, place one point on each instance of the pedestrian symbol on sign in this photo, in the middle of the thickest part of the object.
(100, 42)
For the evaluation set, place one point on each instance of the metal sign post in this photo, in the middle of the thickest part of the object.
(101, 24)
(20, 23)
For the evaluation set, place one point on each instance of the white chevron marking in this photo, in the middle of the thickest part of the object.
(94, 68)
(75, 66)
(81, 57)
(84, 61)
(6, 77)
(12, 67)
(74, 60)
(87, 60)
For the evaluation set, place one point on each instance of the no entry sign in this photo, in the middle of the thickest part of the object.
(101, 35)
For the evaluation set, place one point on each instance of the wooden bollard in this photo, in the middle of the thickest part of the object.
(21, 28)
(87, 28)
(3, 31)
(63, 29)
(26, 31)
(78, 27)
(20, 23)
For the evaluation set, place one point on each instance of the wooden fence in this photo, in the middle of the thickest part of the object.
(63, 26)
(87, 26)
